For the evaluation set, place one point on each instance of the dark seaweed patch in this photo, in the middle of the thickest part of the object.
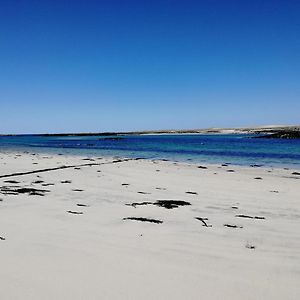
(11, 181)
(29, 191)
(47, 184)
(249, 246)
(135, 204)
(170, 204)
(203, 220)
(66, 181)
(250, 217)
(144, 220)
(259, 218)
(37, 181)
(232, 226)
(244, 216)
(75, 212)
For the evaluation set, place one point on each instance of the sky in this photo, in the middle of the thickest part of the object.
(94, 66)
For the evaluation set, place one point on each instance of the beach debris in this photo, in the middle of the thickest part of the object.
(47, 184)
(232, 226)
(121, 160)
(135, 204)
(144, 193)
(77, 190)
(244, 216)
(157, 170)
(192, 193)
(2, 238)
(170, 204)
(259, 178)
(203, 220)
(224, 165)
(249, 246)
(37, 181)
(75, 212)
(125, 184)
(274, 191)
(15, 191)
(12, 181)
(60, 168)
(296, 173)
(66, 181)
(77, 168)
(160, 188)
(234, 207)
(202, 167)
(255, 166)
(250, 217)
(82, 205)
(230, 171)
(144, 220)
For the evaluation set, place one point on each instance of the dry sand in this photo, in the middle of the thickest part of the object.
(51, 248)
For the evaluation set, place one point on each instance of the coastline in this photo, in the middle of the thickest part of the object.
(214, 130)
(75, 240)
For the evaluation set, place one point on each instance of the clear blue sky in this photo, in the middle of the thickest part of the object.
(83, 66)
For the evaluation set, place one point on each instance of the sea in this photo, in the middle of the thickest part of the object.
(236, 149)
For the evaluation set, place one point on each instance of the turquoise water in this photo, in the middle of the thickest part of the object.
(234, 149)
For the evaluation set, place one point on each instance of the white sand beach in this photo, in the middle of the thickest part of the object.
(238, 239)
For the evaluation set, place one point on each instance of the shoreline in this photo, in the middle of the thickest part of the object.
(68, 153)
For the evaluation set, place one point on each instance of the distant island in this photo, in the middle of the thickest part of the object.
(273, 131)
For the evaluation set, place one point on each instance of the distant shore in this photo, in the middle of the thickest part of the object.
(240, 130)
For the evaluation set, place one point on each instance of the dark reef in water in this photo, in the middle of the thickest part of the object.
(284, 134)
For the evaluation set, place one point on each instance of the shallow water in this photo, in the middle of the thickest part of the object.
(233, 149)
